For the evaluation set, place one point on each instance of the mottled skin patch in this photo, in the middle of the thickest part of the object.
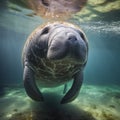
(54, 73)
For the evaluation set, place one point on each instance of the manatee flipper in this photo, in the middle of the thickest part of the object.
(74, 90)
(30, 85)
(65, 88)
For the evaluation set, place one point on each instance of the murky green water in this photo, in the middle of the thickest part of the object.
(99, 98)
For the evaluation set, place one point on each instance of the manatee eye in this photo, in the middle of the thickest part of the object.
(45, 31)
(82, 35)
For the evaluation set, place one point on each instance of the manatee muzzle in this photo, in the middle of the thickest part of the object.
(68, 44)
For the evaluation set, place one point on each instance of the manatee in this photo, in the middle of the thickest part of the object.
(54, 54)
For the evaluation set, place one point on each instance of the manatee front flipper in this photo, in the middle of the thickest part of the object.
(74, 91)
(30, 85)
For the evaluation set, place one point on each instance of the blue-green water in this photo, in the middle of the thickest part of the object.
(99, 98)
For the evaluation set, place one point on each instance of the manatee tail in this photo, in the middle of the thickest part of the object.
(65, 88)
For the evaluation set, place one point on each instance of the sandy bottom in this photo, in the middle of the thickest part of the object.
(93, 103)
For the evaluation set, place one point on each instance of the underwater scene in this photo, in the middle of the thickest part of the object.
(99, 95)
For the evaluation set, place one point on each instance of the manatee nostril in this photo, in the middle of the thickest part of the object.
(72, 38)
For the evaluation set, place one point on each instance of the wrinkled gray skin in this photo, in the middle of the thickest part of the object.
(54, 55)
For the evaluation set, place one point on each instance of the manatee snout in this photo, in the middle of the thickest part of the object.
(67, 44)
